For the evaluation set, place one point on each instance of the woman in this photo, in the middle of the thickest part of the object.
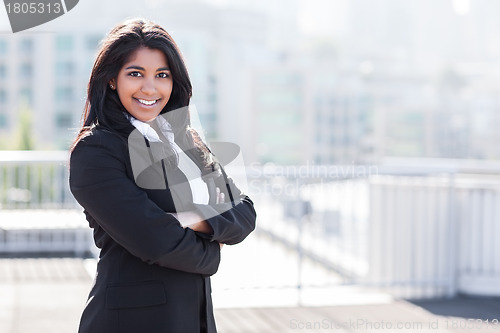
(159, 229)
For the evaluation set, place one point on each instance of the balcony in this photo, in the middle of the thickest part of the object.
(415, 228)
(326, 236)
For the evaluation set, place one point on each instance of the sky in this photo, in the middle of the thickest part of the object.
(314, 16)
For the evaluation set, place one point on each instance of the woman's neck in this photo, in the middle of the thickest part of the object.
(154, 124)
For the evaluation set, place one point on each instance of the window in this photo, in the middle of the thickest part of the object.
(64, 94)
(26, 46)
(64, 43)
(3, 120)
(26, 70)
(92, 42)
(26, 94)
(3, 97)
(3, 46)
(65, 68)
(64, 120)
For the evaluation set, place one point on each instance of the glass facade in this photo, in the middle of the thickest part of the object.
(26, 95)
(26, 70)
(64, 120)
(64, 68)
(64, 94)
(64, 43)
(3, 97)
(3, 120)
(26, 46)
(3, 47)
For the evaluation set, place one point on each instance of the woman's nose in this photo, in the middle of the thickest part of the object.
(148, 87)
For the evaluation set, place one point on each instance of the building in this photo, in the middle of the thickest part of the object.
(384, 79)
(45, 70)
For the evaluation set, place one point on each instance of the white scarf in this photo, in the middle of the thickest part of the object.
(186, 165)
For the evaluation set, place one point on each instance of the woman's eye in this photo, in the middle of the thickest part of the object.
(163, 75)
(136, 74)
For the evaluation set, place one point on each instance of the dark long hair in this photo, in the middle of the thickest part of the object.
(103, 107)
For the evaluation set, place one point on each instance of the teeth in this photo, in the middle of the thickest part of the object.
(143, 101)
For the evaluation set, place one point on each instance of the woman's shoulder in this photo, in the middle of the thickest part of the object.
(100, 138)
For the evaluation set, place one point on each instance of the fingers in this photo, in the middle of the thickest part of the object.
(220, 197)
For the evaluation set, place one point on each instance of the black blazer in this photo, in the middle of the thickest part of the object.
(152, 275)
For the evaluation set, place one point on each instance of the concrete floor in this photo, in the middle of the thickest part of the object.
(47, 295)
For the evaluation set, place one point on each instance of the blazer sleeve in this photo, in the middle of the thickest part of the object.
(99, 182)
(232, 221)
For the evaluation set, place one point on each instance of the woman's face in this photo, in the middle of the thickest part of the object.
(144, 84)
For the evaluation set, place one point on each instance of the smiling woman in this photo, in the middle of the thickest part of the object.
(144, 84)
(159, 245)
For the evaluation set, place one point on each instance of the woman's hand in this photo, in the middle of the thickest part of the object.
(220, 196)
(194, 221)
(201, 226)
(220, 199)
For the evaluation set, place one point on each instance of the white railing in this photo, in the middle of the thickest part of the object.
(418, 230)
(49, 231)
(38, 214)
(477, 247)
(34, 180)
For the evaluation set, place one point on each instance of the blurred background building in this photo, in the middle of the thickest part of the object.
(291, 81)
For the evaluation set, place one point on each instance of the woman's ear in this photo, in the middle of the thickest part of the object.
(112, 84)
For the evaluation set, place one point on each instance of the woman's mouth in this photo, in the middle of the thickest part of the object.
(147, 102)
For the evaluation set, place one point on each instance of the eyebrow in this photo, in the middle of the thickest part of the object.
(142, 68)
